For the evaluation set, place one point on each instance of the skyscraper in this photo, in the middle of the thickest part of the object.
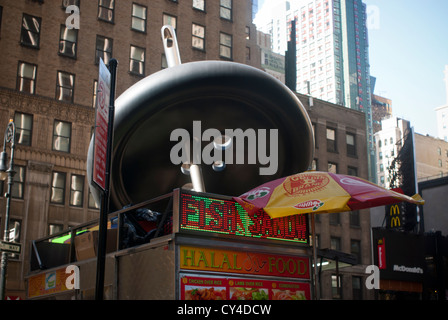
(332, 51)
(442, 114)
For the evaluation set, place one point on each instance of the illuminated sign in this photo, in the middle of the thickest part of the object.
(227, 217)
(244, 262)
(394, 216)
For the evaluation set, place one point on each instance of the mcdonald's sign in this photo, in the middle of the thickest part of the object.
(394, 216)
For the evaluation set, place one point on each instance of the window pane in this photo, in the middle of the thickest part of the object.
(30, 30)
(67, 42)
(27, 70)
(198, 35)
(226, 9)
(19, 180)
(137, 60)
(61, 136)
(76, 190)
(106, 10)
(138, 17)
(103, 49)
(199, 4)
(169, 20)
(24, 123)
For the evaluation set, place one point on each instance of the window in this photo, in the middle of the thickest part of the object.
(106, 10)
(198, 37)
(313, 165)
(61, 136)
(137, 61)
(199, 5)
(352, 171)
(19, 182)
(332, 167)
(170, 20)
(336, 286)
(92, 204)
(30, 35)
(66, 3)
(103, 49)
(58, 188)
(24, 128)
(354, 218)
(351, 144)
(68, 41)
(355, 249)
(331, 140)
(225, 10)
(76, 190)
(357, 288)
(335, 218)
(26, 77)
(64, 86)
(335, 242)
(55, 228)
(225, 45)
(95, 91)
(138, 18)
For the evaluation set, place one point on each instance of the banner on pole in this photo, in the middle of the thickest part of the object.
(101, 126)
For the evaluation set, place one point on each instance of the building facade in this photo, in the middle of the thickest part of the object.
(442, 114)
(332, 52)
(50, 53)
(340, 147)
(431, 154)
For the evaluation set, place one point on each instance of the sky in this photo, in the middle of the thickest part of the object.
(408, 51)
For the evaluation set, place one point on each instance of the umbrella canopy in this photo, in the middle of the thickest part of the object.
(319, 192)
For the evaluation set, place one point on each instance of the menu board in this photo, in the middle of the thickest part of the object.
(198, 287)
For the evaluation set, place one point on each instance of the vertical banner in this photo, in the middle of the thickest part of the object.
(106, 102)
(101, 126)
(381, 254)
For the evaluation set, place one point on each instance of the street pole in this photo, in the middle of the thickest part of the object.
(104, 212)
(9, 137)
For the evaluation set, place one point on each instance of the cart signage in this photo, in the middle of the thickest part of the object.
(205, 214)
(228, 288)
(48, 283)
(253, 263)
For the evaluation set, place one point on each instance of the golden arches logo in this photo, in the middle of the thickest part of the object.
(394, 213)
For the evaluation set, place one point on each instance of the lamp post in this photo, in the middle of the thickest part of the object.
(7, 172)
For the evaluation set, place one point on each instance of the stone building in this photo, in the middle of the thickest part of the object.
(340, 147)
(50, 53)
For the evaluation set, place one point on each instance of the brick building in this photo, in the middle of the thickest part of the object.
(340, 147)
(48, 86)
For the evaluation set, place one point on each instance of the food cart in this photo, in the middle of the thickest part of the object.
(183, 246)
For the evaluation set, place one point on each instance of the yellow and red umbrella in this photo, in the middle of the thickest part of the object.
(316, 192)
(319, 192)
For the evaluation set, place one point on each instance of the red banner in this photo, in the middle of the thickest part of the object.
(381, 254)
